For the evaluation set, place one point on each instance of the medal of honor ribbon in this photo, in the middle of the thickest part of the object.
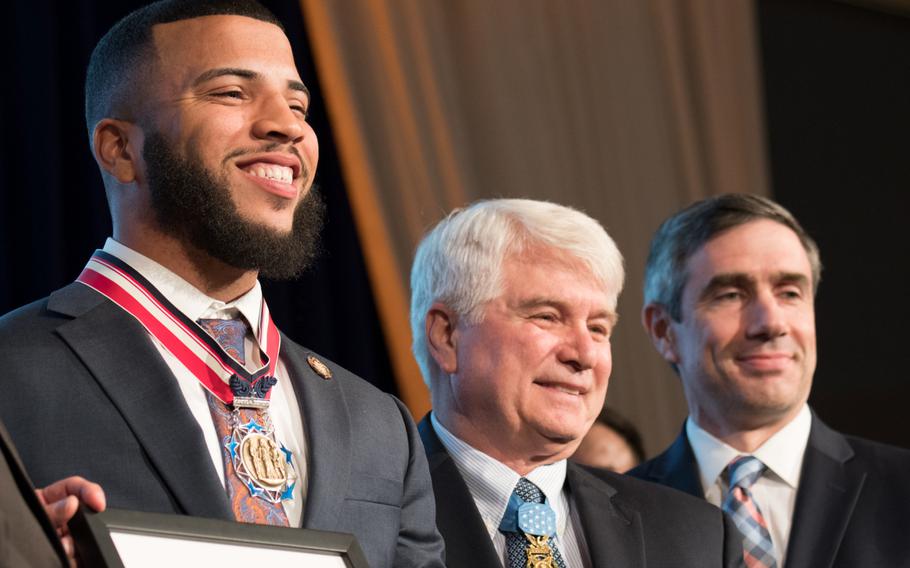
(193, 347)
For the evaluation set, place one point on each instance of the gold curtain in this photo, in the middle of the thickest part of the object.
(625, 109)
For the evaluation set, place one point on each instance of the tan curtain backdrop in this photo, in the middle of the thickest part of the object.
(626, 109)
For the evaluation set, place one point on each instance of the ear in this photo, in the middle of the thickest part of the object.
(441, 337)
(659, 326)
(114, 144)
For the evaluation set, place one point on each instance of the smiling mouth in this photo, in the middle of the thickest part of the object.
(766, 362)
(563, 388)
(273, 172)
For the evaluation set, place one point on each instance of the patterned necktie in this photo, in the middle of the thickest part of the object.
(230, 335)
(742, 508)
(529, 525)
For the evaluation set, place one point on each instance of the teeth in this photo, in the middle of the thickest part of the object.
(568, 391)
(271, 171)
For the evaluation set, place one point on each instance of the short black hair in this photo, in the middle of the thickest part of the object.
(112, 69)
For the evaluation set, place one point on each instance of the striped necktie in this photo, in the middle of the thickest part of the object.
(758, 551)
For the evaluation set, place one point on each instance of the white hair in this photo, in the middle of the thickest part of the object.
(458, 263)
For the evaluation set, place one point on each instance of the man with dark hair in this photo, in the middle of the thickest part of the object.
(730, 286)
(160, 373)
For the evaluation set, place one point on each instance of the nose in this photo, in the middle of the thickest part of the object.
(766, 318)
(579, 350)
(275, 121)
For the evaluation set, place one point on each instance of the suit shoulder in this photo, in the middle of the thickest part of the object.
(22, 326)
(361, 397)
(892, 459)
(47, 313)
(648, 496)
(644, 469)
(24, 315)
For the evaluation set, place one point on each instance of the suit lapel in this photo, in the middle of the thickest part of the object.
(827, 495)
(467, 540)
(328, 434)
(118, 353)
(612, 531)
(677, 468)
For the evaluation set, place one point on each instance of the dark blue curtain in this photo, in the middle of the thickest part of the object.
(52, 208)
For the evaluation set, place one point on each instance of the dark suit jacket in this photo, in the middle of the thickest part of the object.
(853, 504)
(626, 523)
(88, 393)
(27, 537)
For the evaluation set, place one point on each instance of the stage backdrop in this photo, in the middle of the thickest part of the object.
(626, 110)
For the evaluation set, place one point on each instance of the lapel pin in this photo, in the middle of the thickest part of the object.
(319, 367)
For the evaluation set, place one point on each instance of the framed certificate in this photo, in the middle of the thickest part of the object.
(130, 539)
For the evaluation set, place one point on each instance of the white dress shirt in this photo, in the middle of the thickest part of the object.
(284, 410)
(491, 484)
(775, 491)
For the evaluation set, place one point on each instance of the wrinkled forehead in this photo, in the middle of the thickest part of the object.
(517, 264)
(185, 48)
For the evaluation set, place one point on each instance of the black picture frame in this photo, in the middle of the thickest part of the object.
(92, 535)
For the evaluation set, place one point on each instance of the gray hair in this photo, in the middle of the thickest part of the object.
(683, 234)
(459, 261)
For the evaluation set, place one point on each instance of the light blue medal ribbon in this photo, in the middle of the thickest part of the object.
(538, 519)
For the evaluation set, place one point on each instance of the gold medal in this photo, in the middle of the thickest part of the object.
(264, 461)
(540, 555)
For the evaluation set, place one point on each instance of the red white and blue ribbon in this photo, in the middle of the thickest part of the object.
(217, 371)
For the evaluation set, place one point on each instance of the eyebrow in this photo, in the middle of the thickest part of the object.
(293, 84)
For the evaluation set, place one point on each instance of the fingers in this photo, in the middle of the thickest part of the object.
(85, 491)
(60, 512)
(93, 496)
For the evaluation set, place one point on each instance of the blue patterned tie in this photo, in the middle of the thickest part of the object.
(758, 551)
(528, 517)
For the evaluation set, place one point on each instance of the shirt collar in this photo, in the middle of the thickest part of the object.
(193, 303)
(782, 453)
(491, 482)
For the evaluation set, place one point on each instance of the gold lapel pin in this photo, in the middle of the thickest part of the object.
(319, 367)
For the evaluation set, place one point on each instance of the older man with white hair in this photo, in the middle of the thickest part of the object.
(513, 305)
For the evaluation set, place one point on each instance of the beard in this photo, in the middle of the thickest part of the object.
(193, 204)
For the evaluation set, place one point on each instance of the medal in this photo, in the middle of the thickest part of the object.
(261, 462)
(540, 555)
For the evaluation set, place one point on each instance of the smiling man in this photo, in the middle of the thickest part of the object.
(513, 305)
(160, 373)
(729, 302)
